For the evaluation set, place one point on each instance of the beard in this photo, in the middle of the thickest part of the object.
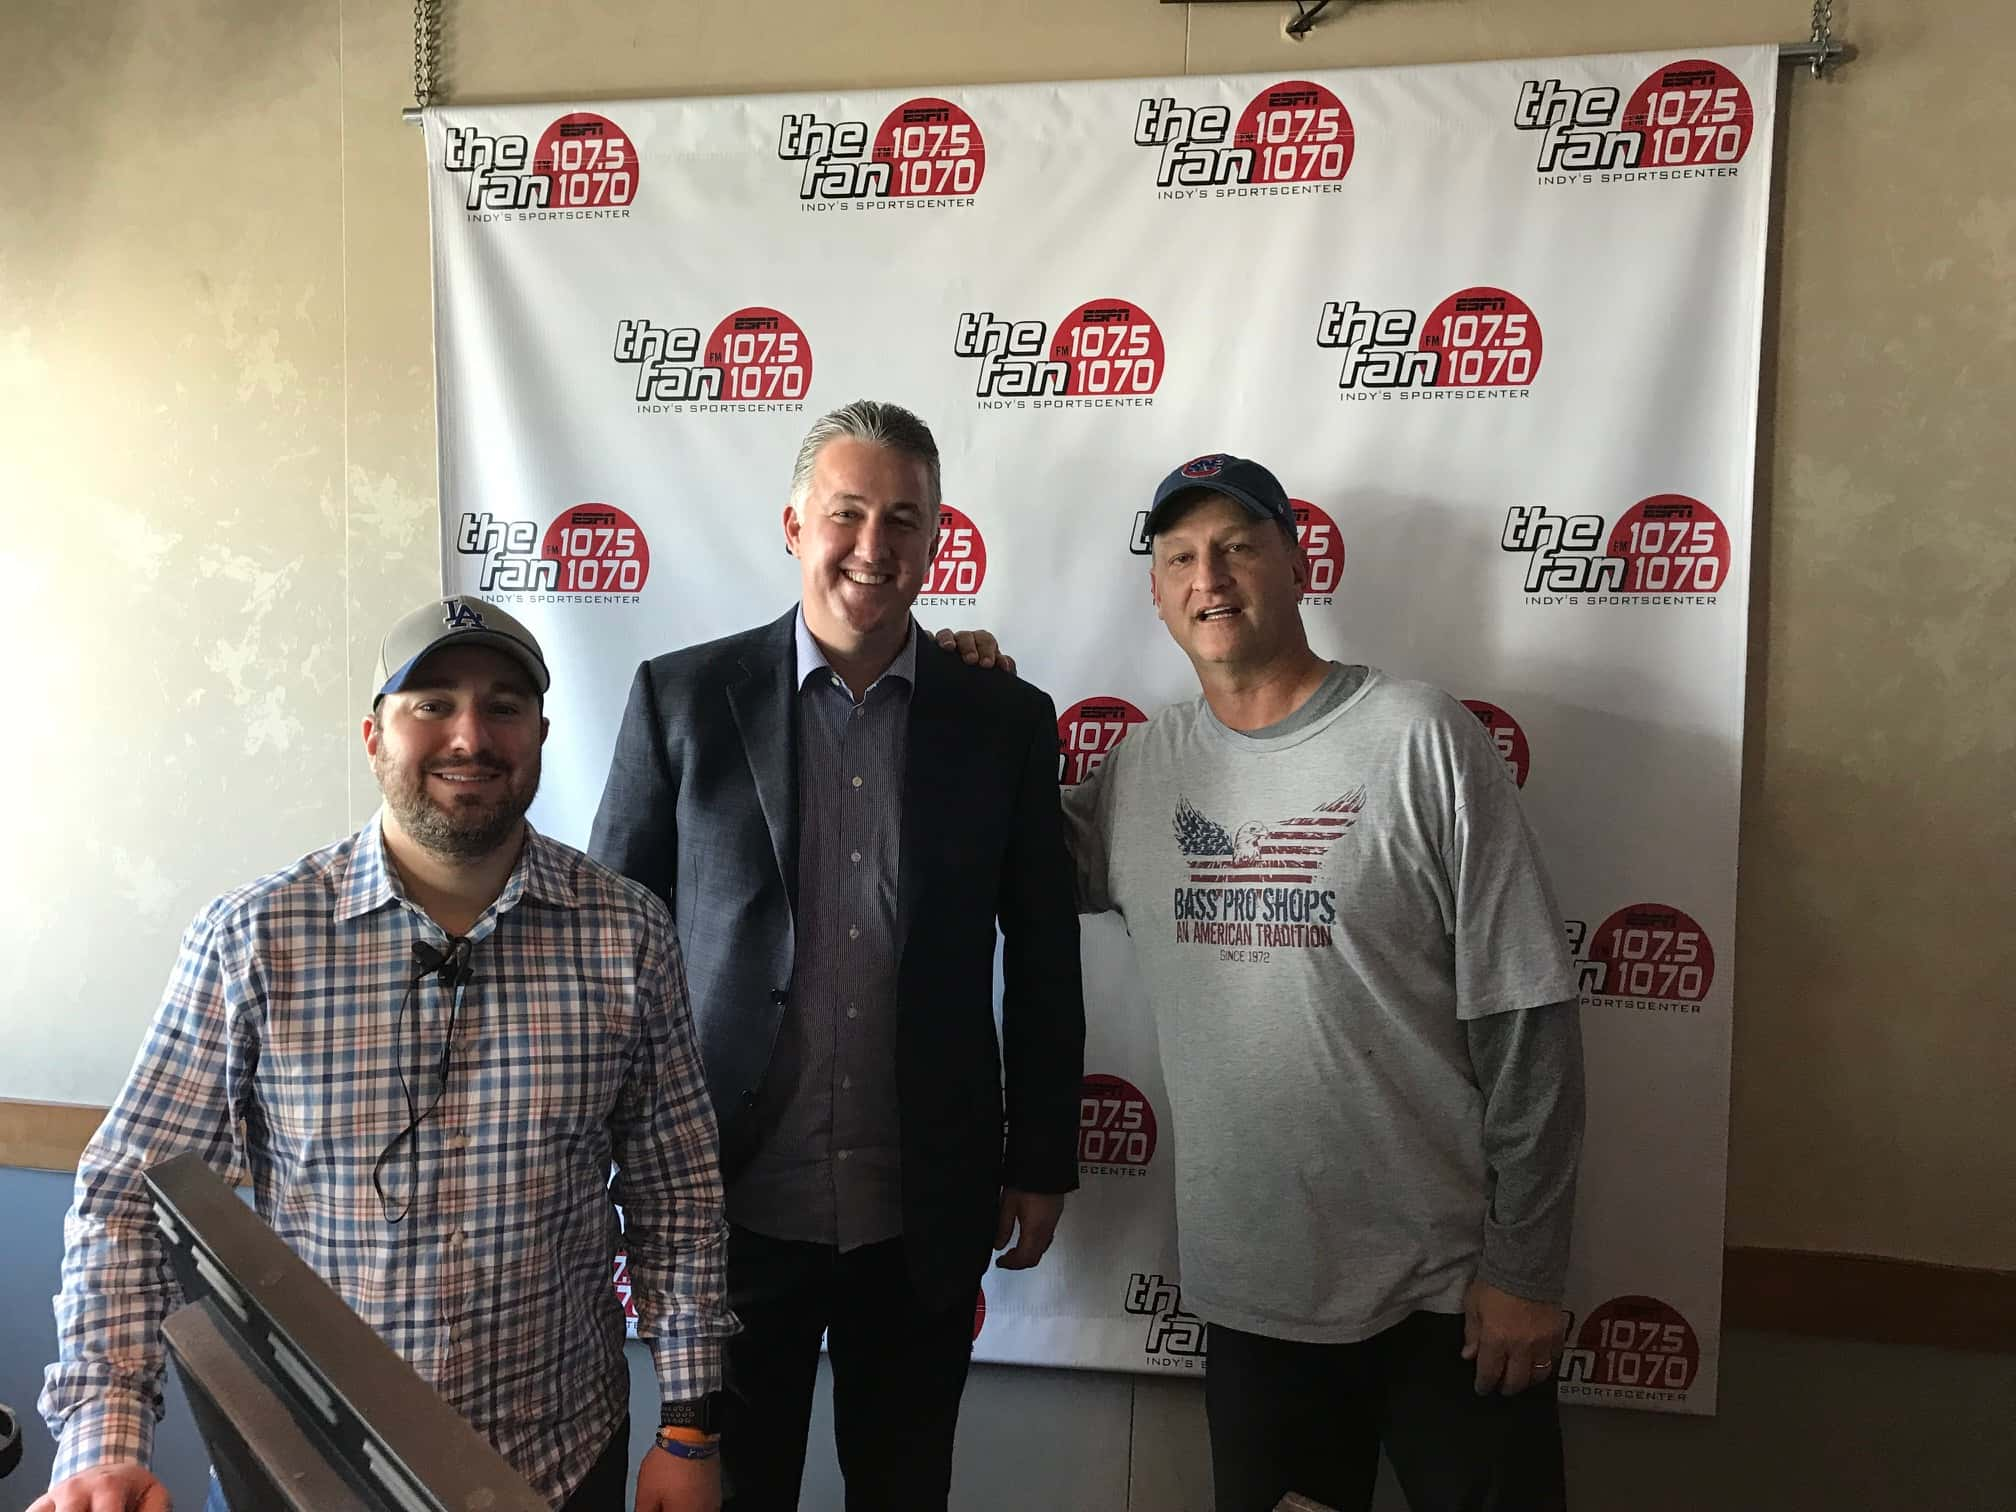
(467, 830)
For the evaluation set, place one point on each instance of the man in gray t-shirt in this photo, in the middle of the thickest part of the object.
(1368, 1024)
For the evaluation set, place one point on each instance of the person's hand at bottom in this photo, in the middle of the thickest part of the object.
(1030, 1218)
(667, 1483)
(121, 1486)
(1514, 1340)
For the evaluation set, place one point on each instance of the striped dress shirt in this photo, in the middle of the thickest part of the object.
(276, 1054)
(829, 1170)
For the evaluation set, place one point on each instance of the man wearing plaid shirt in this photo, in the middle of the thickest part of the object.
(423, 1047)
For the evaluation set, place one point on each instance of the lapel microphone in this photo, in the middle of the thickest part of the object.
(452, 967)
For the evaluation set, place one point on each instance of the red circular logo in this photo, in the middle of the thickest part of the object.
(1111, 346)
(979, 1312)
(1671, 544)
(588, 159)
(1652, 951)
(1322, 543)
(1116, 1124)
(598, 549)
(762, 355)
(1207, 466)
(1087, 731)
(1297, 131)
(1485, 337)
(1689, 113)
(1640, 1341)
(1507, 739)
(932, 148)
(961, 564)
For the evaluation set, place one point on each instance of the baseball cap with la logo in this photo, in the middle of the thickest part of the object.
(464, 620)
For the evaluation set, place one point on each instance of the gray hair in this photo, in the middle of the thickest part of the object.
(870, 420)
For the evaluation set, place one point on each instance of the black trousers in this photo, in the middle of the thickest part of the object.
(898, 1373)
(607, 1485)
(1311, 1418)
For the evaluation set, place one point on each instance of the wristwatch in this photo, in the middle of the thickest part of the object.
(703, 1413)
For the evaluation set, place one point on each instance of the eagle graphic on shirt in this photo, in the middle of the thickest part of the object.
(1281, 850)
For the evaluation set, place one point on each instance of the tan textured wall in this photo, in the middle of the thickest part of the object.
(216, 466)
(171, 443)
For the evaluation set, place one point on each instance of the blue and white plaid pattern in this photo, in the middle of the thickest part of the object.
(273, 1055)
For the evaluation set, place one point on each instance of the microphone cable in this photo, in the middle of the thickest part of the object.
(452, 968)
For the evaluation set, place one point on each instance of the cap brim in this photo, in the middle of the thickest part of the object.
(515, 649)
(1170, 504)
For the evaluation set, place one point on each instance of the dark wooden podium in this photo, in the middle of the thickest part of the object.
(302, 1406)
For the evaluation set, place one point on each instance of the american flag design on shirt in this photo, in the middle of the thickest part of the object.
(1252, 888)
(1282, 850)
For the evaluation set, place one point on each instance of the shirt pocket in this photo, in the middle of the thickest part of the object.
(560, 1053)
(327, 1084)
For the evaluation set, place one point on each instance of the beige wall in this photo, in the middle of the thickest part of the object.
(216, 466)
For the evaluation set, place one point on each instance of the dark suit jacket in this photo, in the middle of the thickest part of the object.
(702, 807)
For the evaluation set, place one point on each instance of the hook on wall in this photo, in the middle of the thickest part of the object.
(1297, 26)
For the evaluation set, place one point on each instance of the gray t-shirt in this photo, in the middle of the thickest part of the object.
(1320, 917)
(1338, 684)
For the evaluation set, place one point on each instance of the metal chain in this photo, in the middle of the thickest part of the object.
(427, 49)
(1823, 34)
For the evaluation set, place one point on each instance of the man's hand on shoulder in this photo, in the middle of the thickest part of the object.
(121, 1486)
(1515, 1341)
(976, 648)
(667, 1483)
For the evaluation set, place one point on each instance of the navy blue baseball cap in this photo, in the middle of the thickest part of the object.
(1219, 472)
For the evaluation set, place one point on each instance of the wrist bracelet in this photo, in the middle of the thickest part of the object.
(680, 1448)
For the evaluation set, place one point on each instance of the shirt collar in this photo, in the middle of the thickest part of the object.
(811, 659)
(371, 882)
(541, 873)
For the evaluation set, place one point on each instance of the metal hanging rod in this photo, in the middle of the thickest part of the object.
(1821, 56)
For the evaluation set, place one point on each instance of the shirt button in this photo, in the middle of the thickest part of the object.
(835, 681)
(853, 931)
(857, 782)
(855, 857)
(846, 1082)
(458, 1141)
(852, 1011)
(841, 1156)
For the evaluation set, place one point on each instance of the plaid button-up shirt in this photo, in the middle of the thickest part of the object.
(275, 1055)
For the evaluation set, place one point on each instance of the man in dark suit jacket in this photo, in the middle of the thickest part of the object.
(839, 813)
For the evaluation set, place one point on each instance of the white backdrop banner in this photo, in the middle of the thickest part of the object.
(1494, 325)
